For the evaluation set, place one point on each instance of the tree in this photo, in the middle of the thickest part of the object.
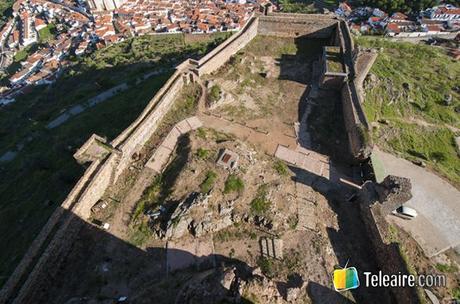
(405, 6)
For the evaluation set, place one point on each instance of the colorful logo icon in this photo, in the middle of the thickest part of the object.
(345, 278)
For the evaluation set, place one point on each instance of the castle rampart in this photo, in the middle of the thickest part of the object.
(56, 237)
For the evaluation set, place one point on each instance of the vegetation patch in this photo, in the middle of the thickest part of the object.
(446, 267)
(214, 93)
(5, 11)
(293, 221)
(281, 167)
(208, 182)
(267, 266)
(233, 184)
(233, 233)
(298, 6)
(411, 96)
(140, 234)
(261, 204)
(456, 293)
(202, 153)
(47, 33)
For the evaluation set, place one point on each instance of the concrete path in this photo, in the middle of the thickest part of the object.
(101, 97)
(307, 160)
(437, 226)
(162, 155)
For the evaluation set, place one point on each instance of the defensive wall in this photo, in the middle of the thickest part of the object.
(41, 262)
(376, 202)
(56, 237)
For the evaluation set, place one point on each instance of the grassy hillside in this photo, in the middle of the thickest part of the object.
(5, 11)
(44, 171)
(407, 103)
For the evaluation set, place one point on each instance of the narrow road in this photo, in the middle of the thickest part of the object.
(437, 226)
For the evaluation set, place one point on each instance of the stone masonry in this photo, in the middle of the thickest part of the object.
(109, 160)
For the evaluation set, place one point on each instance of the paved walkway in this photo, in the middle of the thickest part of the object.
(161, 155)
(437, 226)
(101, 97)
(305, 159)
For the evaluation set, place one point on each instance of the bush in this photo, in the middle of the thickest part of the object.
(456, 293)
(140, 235)
(260, 204)
(202, 153)
(266, 266)
(446, 268)
(363, 135)
(208, 182)
(281, 167)
(233, 184)
(214, 93)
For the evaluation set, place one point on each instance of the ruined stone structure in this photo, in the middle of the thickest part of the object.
(110, 159)
(333, 74)
(377, 201)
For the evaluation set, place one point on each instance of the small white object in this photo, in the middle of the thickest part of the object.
(405, 213)
(106, 226)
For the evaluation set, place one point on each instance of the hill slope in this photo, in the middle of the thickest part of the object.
(413, 101)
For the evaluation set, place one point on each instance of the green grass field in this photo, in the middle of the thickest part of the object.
(44, 171)
(5, 11)
(413, 82)
(47, 34)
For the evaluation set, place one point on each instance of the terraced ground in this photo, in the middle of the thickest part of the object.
(413, 102)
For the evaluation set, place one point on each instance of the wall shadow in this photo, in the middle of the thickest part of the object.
(352, 243)
(43, 172)
(323, 295)
(325, 123)
(97, 267)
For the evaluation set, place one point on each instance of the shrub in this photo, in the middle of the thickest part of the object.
(208, 182)
(363, 135)
(266, 266)
(233, 184)
(293, 221)
(201, 133)
(260, 204)
(281, 167)
(202, 153)
(214, 93)
(140, 234)
(446, 268)
(456, 293)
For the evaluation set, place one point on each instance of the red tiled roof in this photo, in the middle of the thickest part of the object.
(393, 27)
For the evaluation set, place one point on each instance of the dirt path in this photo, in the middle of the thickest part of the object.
(423, 123)
(266, 142)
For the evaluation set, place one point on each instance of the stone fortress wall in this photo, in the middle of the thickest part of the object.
(296, 25)
(52, 244)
